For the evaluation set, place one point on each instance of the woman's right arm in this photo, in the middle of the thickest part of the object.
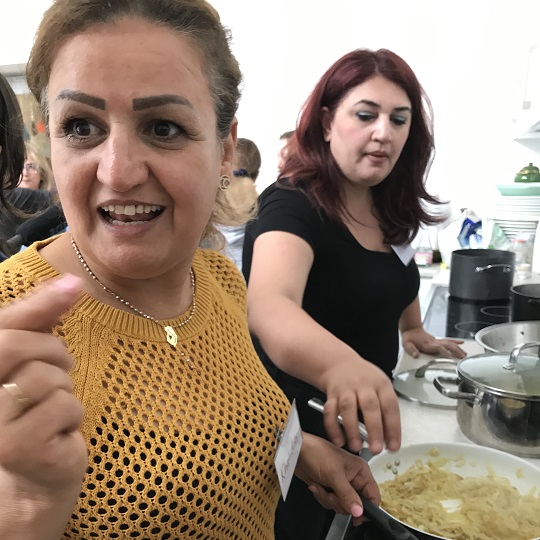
(301, 347)
(43, 456)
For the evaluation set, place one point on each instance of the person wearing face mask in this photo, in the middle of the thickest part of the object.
(132, 402)
(332, 283)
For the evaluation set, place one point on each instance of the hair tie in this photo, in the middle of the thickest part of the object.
(240, 172)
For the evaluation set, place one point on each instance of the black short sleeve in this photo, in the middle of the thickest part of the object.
(285, 210)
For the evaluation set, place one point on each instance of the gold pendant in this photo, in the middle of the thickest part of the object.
(172, 337)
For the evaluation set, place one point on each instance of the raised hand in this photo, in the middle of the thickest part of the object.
(42, 454)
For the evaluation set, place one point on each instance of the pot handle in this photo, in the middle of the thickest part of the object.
(385, 523)
(318, 405)
(452, 394)
(505, 268)
(421, 371)
(512, 362)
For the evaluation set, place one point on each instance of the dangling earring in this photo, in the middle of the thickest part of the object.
(224, 182)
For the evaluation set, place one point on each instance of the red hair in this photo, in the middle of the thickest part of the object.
(398, 200)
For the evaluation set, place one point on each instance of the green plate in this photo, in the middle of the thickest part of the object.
(525, 189)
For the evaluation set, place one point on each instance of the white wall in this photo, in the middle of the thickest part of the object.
(18, 22)
(469, 54)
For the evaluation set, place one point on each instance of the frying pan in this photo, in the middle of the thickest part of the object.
(473, 461)
(522, 474)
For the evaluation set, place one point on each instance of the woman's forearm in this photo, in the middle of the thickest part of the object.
(295, 342)
(411, 316)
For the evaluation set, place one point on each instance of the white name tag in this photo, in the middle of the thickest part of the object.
(404, 252)
(288, 450)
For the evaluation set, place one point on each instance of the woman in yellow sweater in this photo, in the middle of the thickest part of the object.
(165, 393)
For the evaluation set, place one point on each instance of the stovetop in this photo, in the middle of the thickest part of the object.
(447, 316)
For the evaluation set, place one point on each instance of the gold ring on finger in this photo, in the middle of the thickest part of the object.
(21, 401)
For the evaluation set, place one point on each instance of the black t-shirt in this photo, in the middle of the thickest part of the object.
(356, 294)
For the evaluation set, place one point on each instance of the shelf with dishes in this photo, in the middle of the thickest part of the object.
(517, 214)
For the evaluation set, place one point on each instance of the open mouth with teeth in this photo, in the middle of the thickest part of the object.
(130, 214)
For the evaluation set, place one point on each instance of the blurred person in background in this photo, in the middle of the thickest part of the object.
(285, 140)
(37, 173)
(332, 282)
(15, 203)
(33, 194)
(241, 195)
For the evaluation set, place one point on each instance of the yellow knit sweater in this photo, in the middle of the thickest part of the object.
(174, 452)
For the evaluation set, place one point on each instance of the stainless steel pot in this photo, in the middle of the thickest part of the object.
(499, 399)
(504, 337)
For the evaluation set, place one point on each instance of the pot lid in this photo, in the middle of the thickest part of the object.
(417, 384)
(515, 374)
(529, 169)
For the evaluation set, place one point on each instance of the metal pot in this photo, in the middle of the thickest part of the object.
(481, 274)
(525, 302)
(504, 337)
(499, 400)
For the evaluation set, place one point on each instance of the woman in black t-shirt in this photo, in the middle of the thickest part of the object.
(331, 278)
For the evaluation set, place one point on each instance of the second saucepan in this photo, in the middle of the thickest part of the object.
(498, 399)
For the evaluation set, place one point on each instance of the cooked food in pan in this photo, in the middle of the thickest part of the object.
(435, 500)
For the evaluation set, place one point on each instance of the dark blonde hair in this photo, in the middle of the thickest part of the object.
(195, 19)
(46, 182)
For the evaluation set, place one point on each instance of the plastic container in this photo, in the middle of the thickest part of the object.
(523, 246)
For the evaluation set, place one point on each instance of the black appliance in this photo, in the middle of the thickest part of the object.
(447, 316)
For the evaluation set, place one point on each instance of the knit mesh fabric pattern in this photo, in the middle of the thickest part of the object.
(177, 449)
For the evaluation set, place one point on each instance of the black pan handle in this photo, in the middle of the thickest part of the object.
(392, 529)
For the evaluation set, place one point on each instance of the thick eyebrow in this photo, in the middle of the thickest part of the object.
(81, 97)
(377, 106)
(158, 101)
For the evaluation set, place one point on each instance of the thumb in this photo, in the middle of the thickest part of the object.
(347, 496)
(40, 310)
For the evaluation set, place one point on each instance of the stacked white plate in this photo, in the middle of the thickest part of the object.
(516, 214)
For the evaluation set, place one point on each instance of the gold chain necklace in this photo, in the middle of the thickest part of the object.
(170, 334)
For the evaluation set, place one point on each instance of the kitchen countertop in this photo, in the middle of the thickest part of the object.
(429, 271)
